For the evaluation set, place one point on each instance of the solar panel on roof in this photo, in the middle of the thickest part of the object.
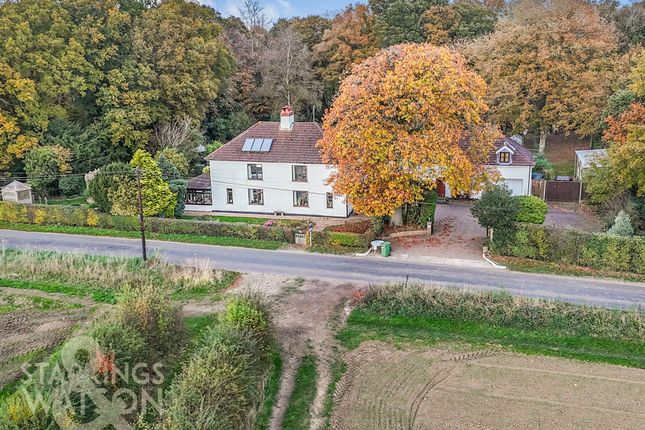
(257, 144)
(266, 145)
(248, 143)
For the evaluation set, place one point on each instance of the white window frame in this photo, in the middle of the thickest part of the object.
(258, 176)
(293, 173)
(251, 195)
(229, 196)
(510, 157)
(329, 200)
(295, 199)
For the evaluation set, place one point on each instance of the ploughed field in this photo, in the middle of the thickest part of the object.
(387, 388)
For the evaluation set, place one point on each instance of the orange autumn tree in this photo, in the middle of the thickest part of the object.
(396, 125)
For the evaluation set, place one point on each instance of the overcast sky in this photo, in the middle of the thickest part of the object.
(275, 9)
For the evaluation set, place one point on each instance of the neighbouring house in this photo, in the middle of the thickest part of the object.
(276, 168)
(17, 192)
(587, 158)
(273, 167)
(513, 162)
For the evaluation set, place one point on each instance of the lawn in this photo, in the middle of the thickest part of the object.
(68, 201)
(297, 416)
(249, 220)
(184, 238)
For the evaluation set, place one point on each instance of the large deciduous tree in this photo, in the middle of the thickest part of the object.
(397, 124)
(549, 66)
(350, 40)
(287, 74)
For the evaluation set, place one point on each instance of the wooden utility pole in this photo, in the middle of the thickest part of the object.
(142, 223)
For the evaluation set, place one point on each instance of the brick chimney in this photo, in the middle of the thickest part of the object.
(287, 118)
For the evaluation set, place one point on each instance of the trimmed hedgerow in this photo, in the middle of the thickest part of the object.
(86, 217)
(574, 247)
(531, 209)
(340, 240)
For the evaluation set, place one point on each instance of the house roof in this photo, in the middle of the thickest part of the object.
(289, 146)
(521, 155)
(201, 182)
(590, 156)
(299, 146)
(16, 186)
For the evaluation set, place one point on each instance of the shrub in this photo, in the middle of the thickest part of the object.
(17, 413)
(531, 209)
(220, 385)
(178, 187)
(44, 164)
(622, 226)
(248, 312)
(128, 344)
(107, 178)
(157, 197)
(71, 185)
(168, 170)
(149, 311)
(496, 209)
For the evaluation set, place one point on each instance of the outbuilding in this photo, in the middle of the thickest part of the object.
(17, 192)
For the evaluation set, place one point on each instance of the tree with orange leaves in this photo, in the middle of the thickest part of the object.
(627, 149)
(396, 127)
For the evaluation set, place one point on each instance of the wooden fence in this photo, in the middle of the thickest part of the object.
(558, 191)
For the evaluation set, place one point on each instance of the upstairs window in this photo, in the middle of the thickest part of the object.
(504, 157)
(255, 172)
(300, 173)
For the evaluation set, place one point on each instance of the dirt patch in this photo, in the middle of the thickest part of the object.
(386, 388)
(356, 227)
(303, 313)
(573, 216)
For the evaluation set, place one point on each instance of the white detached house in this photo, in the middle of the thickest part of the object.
(276, 168)
(273, 167)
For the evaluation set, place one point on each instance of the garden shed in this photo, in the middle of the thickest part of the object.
(17, 192)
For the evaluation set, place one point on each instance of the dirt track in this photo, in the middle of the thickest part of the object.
(439, 389)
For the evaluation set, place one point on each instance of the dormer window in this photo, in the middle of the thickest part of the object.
(504, 157)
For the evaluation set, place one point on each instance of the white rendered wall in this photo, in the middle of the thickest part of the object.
(513, 173)
(278, 188)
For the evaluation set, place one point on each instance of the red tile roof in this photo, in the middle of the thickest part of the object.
(295, 146)
(299, 146)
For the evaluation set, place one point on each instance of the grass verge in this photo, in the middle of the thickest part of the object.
(183, 238)
(424, 316)
(298, 414)
(99, 296)
(270, 390)
(534, 266)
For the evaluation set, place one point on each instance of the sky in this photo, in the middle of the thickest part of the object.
(275, 9)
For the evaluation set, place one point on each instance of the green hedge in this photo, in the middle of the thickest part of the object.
(580, 248)
(531, 209)
(334, 239)
(85, 217)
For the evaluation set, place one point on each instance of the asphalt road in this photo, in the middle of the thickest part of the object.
(609, 293)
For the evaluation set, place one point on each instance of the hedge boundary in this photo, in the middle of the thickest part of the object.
(85, 217)
(574, 247)
(335, 239)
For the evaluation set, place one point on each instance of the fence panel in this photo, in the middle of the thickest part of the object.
(561, 191)
(537, 189)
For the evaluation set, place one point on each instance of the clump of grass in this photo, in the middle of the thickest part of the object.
(502, 309)
(111, 273)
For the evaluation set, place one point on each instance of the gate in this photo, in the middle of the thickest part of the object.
(558, 191)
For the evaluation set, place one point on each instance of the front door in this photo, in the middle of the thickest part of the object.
(441, 188)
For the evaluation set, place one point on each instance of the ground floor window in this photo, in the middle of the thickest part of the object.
(330, 201)
(199, 197)
(229, 196)
(256, 196)
(301, 199)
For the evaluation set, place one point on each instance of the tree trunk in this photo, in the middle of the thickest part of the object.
(397, 217)
(543, 134)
